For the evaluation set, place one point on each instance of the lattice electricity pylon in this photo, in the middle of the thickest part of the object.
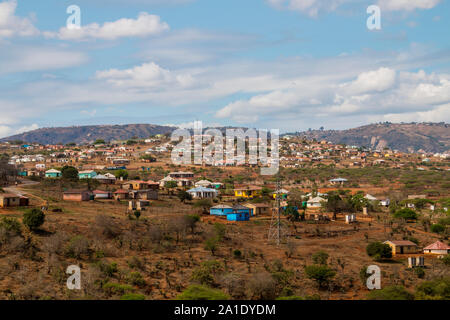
(277, 231)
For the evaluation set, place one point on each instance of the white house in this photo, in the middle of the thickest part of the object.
(315, 202)
(437, 248)
(202, 193)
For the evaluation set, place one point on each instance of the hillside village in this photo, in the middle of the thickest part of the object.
(145, 228)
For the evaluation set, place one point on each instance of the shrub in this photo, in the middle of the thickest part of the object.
(136, 279)
(69, 173)
(199, 292)
(438, 289)
(406, 213)
(77, 246)
(113, 288)
(379, 251)
(237, 253)
(108, 269)
(262, 286)
(33, 218)
(420, 272)
(320, 258)
(11, 224)
(390, 293)
(446, 260)
(437, 228)
(205, 274)
(211, 245)
(321, 274)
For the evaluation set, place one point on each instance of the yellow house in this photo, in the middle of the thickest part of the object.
(402, 246)
(247, 192)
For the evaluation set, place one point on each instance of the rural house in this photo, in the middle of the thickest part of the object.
(402, 246)
(437, 248)
(259, 209)
(52, 173)
(247, 192)
(87, 174)
(202, 193)
(78, 195)
(12, 200)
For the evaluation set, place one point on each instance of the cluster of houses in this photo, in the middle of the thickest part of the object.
(404, 247)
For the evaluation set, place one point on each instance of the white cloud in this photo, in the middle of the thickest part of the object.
(310, 7)
(11, 25)
(146, 75)
(372, 94)
(378, 80)
(38, 58)
(407, 5)
(314, 7)
(6, 131)
(145, 25)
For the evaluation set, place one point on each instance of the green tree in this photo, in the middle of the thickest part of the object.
(292, 213)
(121, 174)
(379, 251)
(335, 204)
(191, 221)
(69, 173)
(211, 244)
(183, 196)
(33, 218)
(321, 274)
(437, 228)
(406, 213)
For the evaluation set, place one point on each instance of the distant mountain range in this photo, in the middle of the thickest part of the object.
(88, 134)
(406, 137)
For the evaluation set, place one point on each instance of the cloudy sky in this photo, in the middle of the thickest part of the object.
(286, 64)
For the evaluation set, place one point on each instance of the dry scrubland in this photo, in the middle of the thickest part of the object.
(160, 254)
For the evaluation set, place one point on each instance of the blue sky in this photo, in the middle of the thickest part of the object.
(285, 64)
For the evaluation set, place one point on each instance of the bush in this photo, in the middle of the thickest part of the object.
(117, 288)
(321, 274)
(420, 272)
(437, 228)
(262, 286)
(390, 293)
(199, 292)
(320, 258)
(211, 245)
(237, 253)
(206, 272)
(77, 246)
(379, 251)
(11, 225)
(69, 173)
(446, 260)
(406, 213)
(136, 279)
(438, 289)
(33, 218)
